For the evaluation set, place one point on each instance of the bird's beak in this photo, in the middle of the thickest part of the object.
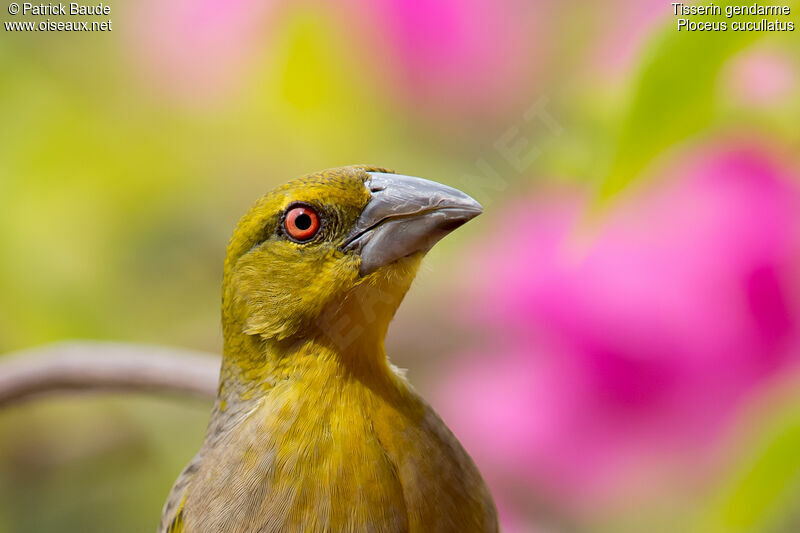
(406, 215)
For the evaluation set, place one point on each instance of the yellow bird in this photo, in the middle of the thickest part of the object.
(313, 429)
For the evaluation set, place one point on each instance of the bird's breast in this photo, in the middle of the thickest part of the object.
(343, 458)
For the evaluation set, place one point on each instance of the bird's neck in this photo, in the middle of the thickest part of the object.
(255, 370)
(345, 342)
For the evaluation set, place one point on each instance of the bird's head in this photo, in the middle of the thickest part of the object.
(332, 254)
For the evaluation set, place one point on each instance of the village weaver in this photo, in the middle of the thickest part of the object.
(313, 429)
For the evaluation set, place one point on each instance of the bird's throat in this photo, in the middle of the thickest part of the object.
(346, 341)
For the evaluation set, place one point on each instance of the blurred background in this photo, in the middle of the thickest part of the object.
(615, 341)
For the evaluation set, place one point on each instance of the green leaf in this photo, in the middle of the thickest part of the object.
(674, 95)
(761, 493)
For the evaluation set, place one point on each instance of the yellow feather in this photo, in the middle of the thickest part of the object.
(313, 429)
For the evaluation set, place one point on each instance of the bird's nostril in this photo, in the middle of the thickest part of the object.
(376, 188)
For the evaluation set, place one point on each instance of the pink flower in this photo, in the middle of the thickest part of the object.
(631, 349)
(454, 56)
(762, 78)
(195, 49)
(624, 26)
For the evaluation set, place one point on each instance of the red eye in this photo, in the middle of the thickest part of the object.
(301, 223)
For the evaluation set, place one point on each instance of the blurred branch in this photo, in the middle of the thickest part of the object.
(82, 366)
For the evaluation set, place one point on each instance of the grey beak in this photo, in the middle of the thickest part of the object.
(406, 215)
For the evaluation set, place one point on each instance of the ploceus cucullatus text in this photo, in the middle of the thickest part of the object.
(313, 429)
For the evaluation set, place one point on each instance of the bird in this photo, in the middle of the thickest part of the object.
(313, 429)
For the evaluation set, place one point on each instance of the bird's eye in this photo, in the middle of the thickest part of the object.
(301, 223)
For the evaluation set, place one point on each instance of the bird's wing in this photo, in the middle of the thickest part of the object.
(176, 525)
(173, 516)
